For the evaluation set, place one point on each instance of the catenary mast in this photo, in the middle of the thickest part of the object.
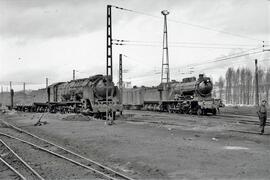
(165, 70)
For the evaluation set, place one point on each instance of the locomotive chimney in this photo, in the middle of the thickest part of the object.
(200, 77)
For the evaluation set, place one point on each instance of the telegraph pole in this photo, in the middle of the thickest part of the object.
(120, 78)
(256, 84)
(24, 87)
(47, 82)
(48, 90)
(73, 74)
(11, 95)
(2, 92)
(109, 68)
(165, 70)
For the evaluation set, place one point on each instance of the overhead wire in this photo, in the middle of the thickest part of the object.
(227, 57)
(183, 46)
(190, 24)
(222, 59)
(152, 72)
(239, 54)
(122, 41)
(235, 55)
(237, 62)
(132, 59)
(19, 83)
(189, 43)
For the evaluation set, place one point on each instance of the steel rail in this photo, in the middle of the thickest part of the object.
(69, 151)
(17, 156)
(231, 119)
(14, 170)
(56, 154)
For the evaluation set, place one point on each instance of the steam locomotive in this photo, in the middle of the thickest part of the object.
(191, 96)
(86, 96)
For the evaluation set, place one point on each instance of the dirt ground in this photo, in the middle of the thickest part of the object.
(152, 145)
(242, 110)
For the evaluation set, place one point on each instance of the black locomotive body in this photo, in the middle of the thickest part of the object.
(86, 95)
(193, 96)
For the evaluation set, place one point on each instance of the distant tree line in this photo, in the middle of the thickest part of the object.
(238, 86)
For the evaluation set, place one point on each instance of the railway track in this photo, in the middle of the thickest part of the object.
(28, 138)
(236, 119)
(16, 164)
(241, 119)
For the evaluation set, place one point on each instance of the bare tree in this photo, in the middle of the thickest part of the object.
(235, 80)
(221, 82)
(248, 85)
(242, 85)
(229, 74)
(260, 81)
(267, 83)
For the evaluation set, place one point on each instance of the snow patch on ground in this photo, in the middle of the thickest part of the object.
(235, 148)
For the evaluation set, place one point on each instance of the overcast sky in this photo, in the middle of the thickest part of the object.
(40, 39)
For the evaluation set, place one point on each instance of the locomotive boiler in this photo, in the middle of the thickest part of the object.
(194, 96)
(200, 88)
(87, 95)
(191, 95)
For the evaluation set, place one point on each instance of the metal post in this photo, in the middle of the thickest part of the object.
(48, 90)
(11, 98)
(73, 74)
(47, 82)
(256, 83)
(24, 87)
(165, 70)
(2, 92)
(11, 95)
(48, 94)
(109, 68)
(120, 78)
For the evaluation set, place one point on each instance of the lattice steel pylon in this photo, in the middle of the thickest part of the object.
(165, 70)
(120, 78)
(109, 66)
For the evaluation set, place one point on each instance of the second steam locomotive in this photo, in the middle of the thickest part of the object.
(191, 96)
